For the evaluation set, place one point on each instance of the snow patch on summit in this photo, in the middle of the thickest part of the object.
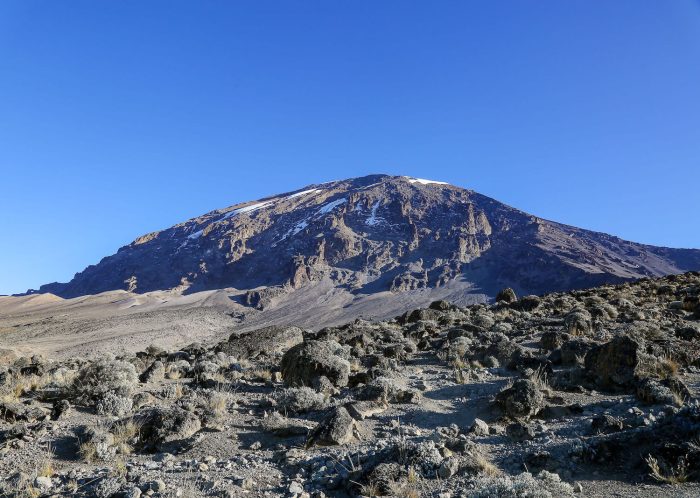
(303, 192)
(247, 209)
(423, 181)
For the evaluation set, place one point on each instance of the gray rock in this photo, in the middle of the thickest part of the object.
(336, 428)
(619, 362)
(268, 341)
(507, 296)
(154, 373)
(522, 400)
(167, 429)
(44, 483)
(520, 432)
(306, 362)
(479, 428)
(448, 468)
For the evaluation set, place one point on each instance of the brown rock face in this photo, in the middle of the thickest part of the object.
(372, 234)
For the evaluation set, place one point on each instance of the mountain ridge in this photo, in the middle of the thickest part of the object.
(370, 234)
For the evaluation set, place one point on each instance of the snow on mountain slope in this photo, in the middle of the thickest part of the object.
(369, 235)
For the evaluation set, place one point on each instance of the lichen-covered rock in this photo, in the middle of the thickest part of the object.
(573, 351)
(300, 400)
(618, 363)
(166, 429)
(336, 428)
(154, 373)
(522, 400)
(388, 390)
(307, 361)
(578, 322)
(507, 296)
(268, 341)
(667, 391)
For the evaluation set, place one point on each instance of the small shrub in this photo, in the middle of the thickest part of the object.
(112, 404)
(97, 379)
(545, 485)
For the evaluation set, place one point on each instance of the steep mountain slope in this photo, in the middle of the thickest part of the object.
(372, 234)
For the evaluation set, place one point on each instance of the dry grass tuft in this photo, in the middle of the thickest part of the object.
(370, 489)
(661, 472)
(486, 466)
(540, 379)
(259, 374)
(119, 468)
(88, 451)
(667, 368)
(217, 404)
(45, 467)
(18, 385)
(124, 435)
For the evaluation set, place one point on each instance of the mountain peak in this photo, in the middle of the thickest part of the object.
(372, 234)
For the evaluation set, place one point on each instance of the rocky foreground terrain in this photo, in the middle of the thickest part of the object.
(584, 393)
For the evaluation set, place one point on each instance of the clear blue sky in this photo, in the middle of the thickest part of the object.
(118, 118)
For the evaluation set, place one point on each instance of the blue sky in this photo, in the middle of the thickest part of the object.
(119, 118)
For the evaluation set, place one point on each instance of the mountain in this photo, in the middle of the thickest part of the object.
(368, 235)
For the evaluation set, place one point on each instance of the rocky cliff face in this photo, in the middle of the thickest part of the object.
(372, 234)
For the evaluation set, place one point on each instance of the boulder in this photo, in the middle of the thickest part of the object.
(154, 373)
(479, 428)
(522, 400)
(618, 363)
(507, 296)
(304, 363)
(12, 411)
(667, 391)
(336, 428)
(578, 322)
(518, 431)
(575, 350)
(268, 341)
(606, 424)
(167, 429)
